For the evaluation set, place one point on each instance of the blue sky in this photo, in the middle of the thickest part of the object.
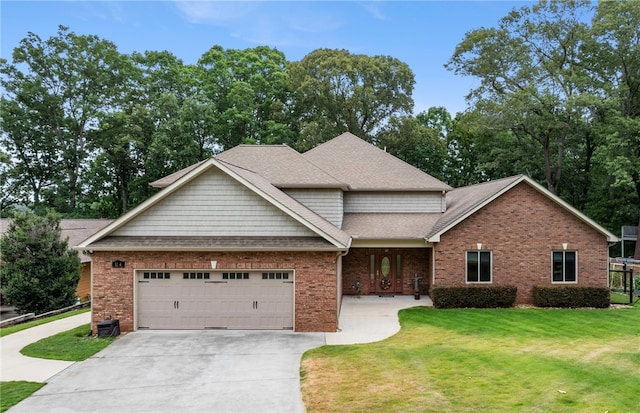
(422, 34)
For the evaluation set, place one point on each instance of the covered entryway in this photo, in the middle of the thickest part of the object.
(196, 300)
(386, 271)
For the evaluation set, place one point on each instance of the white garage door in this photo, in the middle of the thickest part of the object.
(215, 300)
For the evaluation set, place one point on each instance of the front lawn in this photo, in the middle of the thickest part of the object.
(469, 360)
(71, 345)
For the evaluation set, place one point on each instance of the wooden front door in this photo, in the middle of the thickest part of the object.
(384, 278)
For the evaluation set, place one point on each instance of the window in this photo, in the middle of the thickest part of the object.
(156, 275)
(275, 275)
(564, 266)
(235, 275)
(478, 266)
(195, 276)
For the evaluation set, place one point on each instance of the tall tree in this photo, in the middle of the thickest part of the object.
(614, 62)
(532, 78)
(57, 90)
(249, 90)
(336, 91)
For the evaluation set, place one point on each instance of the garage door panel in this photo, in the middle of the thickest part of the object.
(214, 300)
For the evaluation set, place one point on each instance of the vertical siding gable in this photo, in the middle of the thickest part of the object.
(325, 202)
(390, 202)
(213, 204)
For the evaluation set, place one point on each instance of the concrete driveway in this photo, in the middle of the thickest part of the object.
(192, 371)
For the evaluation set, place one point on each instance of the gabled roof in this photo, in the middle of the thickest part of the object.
(338, 238)
(281, 165)
(364, 167)
(464, 202)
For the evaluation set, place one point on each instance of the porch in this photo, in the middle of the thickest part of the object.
(386, 271)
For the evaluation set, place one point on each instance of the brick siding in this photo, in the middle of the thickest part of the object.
(521, 229)
(315, 281)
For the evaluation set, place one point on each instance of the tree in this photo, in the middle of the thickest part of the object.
(56, 92)
(38, 271)
(533, 78)
(248, 89)
(335, 91)
(614, 61)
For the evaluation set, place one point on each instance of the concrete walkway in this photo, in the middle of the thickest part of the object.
(370, 318)
(363, 319)
(16, 367)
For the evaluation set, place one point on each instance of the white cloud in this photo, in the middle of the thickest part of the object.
(374, 9)
(214, 12)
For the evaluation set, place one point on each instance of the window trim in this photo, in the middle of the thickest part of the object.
(564, 253)
(466, 267)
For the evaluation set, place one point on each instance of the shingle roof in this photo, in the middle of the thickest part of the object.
(282, 166)
(389, 226)
(364, 167)
(147, 243)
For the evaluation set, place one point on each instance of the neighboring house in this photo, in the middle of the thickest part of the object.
(262, 237)
(75, 231)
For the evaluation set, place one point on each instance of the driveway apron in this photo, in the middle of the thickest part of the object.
(183, 371)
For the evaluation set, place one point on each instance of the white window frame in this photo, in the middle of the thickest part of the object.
(564, 260)
(466, 267)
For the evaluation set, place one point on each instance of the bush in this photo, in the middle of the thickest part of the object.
(571, 297)
(490, 296)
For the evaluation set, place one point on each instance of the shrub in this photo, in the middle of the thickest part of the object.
(490, 296)
(38, 271)
(571, 296)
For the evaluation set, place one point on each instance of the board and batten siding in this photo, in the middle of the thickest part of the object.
(325, 202)
(390, 202)
(213, 204)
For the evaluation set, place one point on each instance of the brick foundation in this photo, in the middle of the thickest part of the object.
(315, 281)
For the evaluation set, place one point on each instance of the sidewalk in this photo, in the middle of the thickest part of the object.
(15, 366)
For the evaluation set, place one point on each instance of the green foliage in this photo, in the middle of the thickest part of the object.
(474, 297)
(38, 271)
(74, 345)
(13, 392)
(335, 91)
(572, 297)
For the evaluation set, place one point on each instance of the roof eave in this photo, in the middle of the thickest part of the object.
(92, 249)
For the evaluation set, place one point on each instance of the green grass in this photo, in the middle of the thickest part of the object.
(19, 327)
(12, 392)
(620, 298)
(72, 345)
(468, 360)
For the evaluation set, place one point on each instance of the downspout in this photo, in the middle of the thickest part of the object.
(339, 256)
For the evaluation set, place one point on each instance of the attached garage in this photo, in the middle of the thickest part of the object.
(205, 299)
